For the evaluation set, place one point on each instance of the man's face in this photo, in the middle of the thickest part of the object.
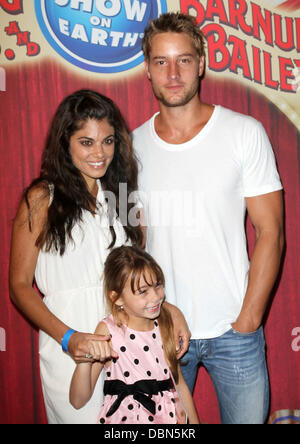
(174, 68)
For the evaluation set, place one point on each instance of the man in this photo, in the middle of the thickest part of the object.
(202, 167)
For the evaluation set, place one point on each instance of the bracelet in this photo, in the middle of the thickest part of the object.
(66, 338)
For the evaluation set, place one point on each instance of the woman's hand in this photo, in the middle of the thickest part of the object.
(86, 347)
(181, 330)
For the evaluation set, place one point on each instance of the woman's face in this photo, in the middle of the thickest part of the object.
(92, 149)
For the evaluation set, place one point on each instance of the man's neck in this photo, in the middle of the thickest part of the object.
(177, 125)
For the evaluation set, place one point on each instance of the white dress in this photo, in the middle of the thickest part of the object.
(72, 286)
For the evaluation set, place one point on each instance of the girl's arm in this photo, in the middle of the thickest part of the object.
(187, 399)
(86, 375)
(23, 259)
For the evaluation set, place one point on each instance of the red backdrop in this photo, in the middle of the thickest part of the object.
(33, 92)
(26, 109)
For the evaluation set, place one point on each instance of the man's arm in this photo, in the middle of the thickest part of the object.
(266, 215)
(182, 332)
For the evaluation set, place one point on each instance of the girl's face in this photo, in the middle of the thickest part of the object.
(92, 149)
(143, 305)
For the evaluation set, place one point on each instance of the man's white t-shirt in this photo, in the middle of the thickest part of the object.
(193, 195)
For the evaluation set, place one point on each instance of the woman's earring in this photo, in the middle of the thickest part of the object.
(121, 307)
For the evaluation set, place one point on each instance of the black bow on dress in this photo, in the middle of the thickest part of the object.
(141, 391)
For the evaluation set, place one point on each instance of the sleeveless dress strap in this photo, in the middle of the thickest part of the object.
(51, 191)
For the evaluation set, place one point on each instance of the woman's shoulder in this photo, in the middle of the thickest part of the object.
(39, 194)
(34, 204)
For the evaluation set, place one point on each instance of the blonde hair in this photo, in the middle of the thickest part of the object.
(127, 261)
(174, 22)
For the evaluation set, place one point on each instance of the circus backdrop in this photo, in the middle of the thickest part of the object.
(50, 48)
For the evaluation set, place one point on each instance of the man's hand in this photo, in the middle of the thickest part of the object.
(181, 330)
(245, 325)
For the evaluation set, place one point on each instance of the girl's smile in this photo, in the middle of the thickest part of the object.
(155, 308)
(143, 304)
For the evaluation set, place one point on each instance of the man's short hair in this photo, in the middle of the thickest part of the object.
(177, 23)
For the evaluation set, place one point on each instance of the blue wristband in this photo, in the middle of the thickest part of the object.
(65, 340)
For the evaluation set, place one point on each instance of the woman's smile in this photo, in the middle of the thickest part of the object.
(92, 149)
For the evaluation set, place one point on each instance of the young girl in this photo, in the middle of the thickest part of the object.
(140, 358)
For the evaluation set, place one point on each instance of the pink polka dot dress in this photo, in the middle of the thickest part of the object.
(138, 387)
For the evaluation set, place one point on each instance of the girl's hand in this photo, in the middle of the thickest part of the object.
(99, 347)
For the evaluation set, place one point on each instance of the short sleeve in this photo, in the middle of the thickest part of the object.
(260, 175)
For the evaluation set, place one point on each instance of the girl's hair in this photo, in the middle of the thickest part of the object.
(124, 262)
(174, 22)
(71, 196)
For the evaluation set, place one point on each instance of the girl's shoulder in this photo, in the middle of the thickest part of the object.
(109, 326)
(102, 329)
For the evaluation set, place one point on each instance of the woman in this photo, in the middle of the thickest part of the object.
(62, 234)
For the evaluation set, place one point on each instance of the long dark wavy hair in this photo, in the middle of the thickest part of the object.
(71, 195)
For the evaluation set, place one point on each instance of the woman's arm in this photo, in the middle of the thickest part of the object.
(23, 259)
(86, 375)
(187, 399)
